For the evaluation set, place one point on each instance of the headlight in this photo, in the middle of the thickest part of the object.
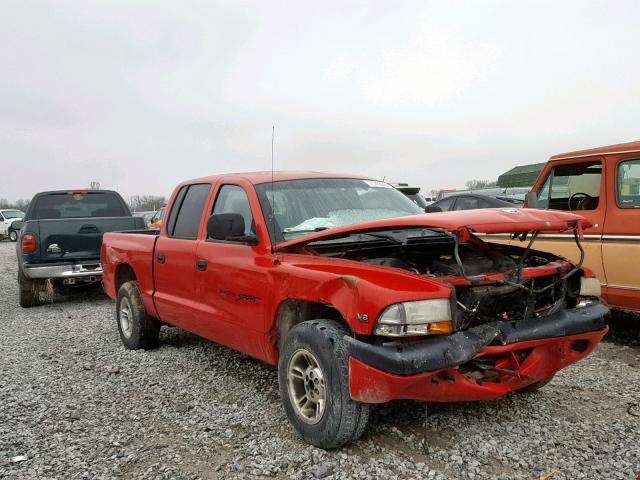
(590, 287)
(423, 317)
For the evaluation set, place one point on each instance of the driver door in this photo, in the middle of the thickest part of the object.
(577, 186)
(232, 285)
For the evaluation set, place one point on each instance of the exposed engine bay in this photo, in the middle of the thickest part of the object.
(478, 300)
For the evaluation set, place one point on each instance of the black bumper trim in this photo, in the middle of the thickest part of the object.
(453, 350)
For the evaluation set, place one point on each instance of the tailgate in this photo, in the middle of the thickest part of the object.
(72, 239)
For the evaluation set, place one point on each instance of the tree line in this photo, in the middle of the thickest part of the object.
(16, 205)
(146, 203)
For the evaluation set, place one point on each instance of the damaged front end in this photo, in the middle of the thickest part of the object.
(492, 372)
(515, 317)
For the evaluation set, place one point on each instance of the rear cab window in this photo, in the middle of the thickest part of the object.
(574, 186)
(84, 204)
(186, 212)
(628, 184)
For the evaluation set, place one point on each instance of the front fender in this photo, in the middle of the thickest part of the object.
(360, 292)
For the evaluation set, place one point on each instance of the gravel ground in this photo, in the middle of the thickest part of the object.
(76, 404)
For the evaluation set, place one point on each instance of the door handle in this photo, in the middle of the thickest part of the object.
(201, 265)
(88, 228)
(161, 258)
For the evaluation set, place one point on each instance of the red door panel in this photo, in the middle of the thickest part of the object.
(174, 270)
(231, 297)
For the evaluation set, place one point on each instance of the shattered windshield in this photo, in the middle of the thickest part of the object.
(302, 207)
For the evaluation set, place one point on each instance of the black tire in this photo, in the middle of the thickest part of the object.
(13, 235)
(343, 420)
(534, 387)
(137, 329)
(29, 291)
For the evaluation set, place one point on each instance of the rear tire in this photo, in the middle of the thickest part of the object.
(313, 375)
(137, 329)
(534, 387)
(29, 291)
(13, 235)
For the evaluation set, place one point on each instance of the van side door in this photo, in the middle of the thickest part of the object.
(621, 238)
(577, 186)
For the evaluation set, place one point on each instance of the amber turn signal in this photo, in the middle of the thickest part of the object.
(440, 328)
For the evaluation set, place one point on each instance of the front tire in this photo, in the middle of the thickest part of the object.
(13, 235)
(313, 375)
(29, 291)
(137, 329)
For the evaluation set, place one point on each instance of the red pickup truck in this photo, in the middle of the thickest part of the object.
(355, 295)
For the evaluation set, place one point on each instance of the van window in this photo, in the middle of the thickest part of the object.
(190, 213)
(628, 184)
(574, 186)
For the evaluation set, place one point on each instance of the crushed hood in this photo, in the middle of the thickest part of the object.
(487, 220)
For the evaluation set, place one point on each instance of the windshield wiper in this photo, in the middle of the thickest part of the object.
(402, 236)
(305, 230)
(385, 236)
(397, 236)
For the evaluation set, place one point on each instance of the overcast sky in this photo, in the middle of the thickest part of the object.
(142, 95)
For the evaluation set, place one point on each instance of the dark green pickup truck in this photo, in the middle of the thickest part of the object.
(61, 237)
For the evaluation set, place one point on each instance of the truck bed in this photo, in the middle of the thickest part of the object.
(75, 239)
(134, 248)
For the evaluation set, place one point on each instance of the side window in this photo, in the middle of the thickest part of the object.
(233, 199)
(573, 186)
(446, 204)
(466, 203)
(190, 211)
(628, 184)
(173, 213)
(482, 203)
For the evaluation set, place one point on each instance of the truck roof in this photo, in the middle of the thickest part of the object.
(74, 190)
(609, 149)
(266, 176)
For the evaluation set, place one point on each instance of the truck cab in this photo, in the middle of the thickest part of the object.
(602, 185)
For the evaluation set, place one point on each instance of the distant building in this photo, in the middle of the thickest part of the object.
(513, 184)
(522, 176)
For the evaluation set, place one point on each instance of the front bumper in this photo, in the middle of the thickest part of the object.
(438, 369)
(74, 270)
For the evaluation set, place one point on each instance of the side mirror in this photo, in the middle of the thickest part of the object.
(230, 227)
(430, 209)
(531, 200)
(17, 225)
